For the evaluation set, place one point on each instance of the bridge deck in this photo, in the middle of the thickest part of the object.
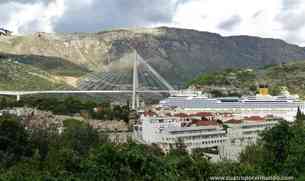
(16, 93)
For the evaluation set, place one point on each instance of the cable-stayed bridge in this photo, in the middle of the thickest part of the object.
(131, 74)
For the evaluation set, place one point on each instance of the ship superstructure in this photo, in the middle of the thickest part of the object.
(262, 104)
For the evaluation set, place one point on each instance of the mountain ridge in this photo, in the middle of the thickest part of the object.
(177, 54)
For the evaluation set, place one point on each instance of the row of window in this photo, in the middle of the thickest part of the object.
(193, 131)
(192, 138)
(257, 126)
(213, 142)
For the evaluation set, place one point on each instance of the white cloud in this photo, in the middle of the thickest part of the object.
(264, 18)
(284, 19)
(35, 17)
(257, 17)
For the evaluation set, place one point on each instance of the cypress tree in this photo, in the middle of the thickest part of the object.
(3, 103)
(300, 118)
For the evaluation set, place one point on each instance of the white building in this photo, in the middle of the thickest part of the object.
(150, 128)
(168, 131)
(240, 136)
(193, 137)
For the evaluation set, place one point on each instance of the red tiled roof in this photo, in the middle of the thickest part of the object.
(202, 114)
(234, 121)
(183, 115)
(168, 114)
(150, 113)
(204, 123)
(255, 118)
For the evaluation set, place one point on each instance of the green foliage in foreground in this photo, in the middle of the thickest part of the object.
(280, 151)
(82, 153)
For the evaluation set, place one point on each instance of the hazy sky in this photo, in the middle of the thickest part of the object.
(283, 19)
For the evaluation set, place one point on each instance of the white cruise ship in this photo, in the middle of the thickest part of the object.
(263, 104)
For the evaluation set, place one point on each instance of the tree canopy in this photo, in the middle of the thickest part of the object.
(80, 152)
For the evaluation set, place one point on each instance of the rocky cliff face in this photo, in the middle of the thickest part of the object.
(177, 54)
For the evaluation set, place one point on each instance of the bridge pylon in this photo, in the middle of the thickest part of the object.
(135, 83)
(130, 74)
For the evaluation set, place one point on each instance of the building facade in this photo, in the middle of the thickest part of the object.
(240, 136)
(167, 132)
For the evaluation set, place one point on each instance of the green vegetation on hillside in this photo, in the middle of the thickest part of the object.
(18, 76)
(246, 81)
(291, 75)
(30, 72)
(82, 153)
(228, 77)
(52, 65)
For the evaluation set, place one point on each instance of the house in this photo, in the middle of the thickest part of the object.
(204, 122)
(181, 115)
(254, 119)
(234, 121)
(206, 115)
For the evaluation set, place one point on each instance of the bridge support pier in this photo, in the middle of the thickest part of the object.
(137, 101)
(18, 97)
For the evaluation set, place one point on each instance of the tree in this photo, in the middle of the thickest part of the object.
(79, 136)
(179, 148)
(252, 155)
(279, 152)
(275, 144)
(3, 103)
(14, 141)
(300, 119)
(295, 161)
(127, 161)
(73, 105)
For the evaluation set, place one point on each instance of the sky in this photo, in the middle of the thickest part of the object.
(284, 19)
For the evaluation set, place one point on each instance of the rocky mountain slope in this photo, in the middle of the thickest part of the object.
(177, 54)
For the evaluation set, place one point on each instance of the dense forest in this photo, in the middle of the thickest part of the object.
(80, 152)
